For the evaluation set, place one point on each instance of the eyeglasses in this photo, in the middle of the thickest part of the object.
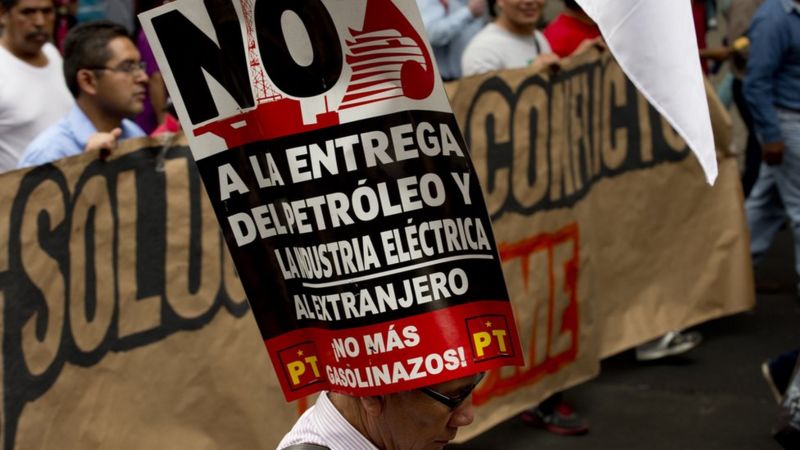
(129, 67)
(453, 401)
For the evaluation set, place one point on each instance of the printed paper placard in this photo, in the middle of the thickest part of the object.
(343, 187)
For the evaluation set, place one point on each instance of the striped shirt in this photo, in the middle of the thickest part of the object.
(322, 424)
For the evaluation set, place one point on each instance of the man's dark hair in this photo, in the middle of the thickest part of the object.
(86, 46)
(573, 5)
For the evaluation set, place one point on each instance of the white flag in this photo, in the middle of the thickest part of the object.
(655, 44)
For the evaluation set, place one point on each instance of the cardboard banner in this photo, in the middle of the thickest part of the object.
(608, 233)
(125, 325)
(343, 188)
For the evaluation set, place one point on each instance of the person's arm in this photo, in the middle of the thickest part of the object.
(767, 46)
(546, 59)
(442, 25)
(549, 61)
(105, 142)
(32, 156)
(44, 149)
(716, 53)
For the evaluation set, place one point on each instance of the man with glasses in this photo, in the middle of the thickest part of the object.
(425, 419)
(33, 94)
(104, 73)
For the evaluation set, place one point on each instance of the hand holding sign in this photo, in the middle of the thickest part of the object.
(105, 142)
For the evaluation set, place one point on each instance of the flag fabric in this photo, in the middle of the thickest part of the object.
(655, 44)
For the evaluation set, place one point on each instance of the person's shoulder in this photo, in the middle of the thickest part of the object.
(770, 17)
(131, 130)
(481, 56)
(4, 76)
(542, 43)
(492, 30)
(305, 430)
(55, 142)
(770, 9)
(5, 56)
(487, 37)
(6, 64)
(51, 50)
(53, 55)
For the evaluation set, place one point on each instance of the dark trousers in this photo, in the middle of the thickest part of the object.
(548, 406)
(752, 155)
(782, 368)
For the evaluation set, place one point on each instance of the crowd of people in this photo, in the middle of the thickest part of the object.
(79, 75)
(74, 76)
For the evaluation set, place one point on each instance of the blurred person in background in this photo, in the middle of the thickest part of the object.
(106, 76)
(450, 25)
(118, 11)
(511, 41)
(739, 15)
(155, 105)
(33, 94)
(772, 91)
(65, 20)
(572, 31)
(735, 49)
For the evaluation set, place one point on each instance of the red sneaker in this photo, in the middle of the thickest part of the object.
(563, 420)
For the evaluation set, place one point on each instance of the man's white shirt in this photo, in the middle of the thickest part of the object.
(322, 424)
(31, 99)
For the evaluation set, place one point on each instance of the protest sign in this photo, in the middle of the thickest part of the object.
(125, 326)
(343, 188)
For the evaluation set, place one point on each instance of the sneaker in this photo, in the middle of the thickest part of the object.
(672, 343)
(563, 420)
(777, 392)
(778, 373)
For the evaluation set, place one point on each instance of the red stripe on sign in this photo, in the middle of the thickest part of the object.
(397, 355)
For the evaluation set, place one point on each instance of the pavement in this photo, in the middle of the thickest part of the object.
(711, 398)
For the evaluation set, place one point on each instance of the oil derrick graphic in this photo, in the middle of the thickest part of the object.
(274, 115)
(264, 91)
(388, 59)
